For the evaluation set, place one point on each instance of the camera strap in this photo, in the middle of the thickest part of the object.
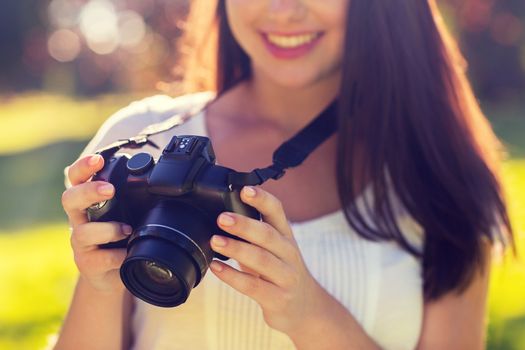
(142, 139)
(293, 152)
(290, 154)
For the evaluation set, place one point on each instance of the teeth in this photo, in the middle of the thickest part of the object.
(291, 41)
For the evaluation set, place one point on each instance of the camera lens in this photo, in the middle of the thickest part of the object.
(168, 254)
(158, 273)
(153, 278)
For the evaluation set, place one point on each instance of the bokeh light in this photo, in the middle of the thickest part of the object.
(63, 45)
(98, 22)
(132, 29)
(476, 15)
(133, 40)
(506, 29)
(63, 13)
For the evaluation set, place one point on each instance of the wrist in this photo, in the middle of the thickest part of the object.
(330, 326)
(315, 319)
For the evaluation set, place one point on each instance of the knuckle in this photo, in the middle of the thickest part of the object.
(291, 251)
(73, 171)
(287, 283)
(89, 191)
(266, 233)
(65, 199)
(250, 286)
(119, 259)
(287, 280)
(262, 257)
(286, 298)
(108, 260)
(79, 235)
(115, 259)
(291, 281)
(232, 247)
(80, 261)
(278, 204)
(279, 304)
(274, 202)
(298, 258)
(115, 232)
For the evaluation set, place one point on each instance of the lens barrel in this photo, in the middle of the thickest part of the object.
(168, 254)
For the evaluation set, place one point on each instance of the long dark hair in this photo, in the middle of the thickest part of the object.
(414, 131)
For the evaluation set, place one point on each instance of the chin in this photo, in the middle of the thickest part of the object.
(298, 81)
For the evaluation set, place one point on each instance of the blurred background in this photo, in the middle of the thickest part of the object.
(66, 65)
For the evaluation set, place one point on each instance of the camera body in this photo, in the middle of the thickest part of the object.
(172, 205)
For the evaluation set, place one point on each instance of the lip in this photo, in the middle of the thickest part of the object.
(290, 53)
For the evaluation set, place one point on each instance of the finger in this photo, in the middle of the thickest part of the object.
(84, 168)
(246, 269)
(259, 233)
(258, 289)
(97, 262)
(89, 236)
(77, 199)
(271, 268)
(269, 206)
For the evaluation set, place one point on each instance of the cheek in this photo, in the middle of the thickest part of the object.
(240, 15)
(243, 18)
(337, 17)
(334, 12)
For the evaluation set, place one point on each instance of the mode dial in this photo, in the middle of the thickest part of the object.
(140, 163)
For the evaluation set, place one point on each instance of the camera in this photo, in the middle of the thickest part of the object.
(172, 204)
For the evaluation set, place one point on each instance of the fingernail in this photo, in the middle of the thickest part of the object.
(106, 189)
(126, 229)
(218, 241)
(249, 191)
(94, 160)
(215, 266)
(226, 220)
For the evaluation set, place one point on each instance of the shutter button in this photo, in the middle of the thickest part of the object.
(140, 163)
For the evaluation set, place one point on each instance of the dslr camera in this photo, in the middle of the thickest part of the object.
(172, 205)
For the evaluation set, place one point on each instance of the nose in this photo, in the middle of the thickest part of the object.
(286, 10)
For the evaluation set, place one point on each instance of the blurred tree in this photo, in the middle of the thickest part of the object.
(492, 37)
(94, 46)
(22, 44)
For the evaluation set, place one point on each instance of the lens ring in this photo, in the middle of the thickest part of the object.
(140, 282)
(147, 273)
(136, 272)
(177, 248)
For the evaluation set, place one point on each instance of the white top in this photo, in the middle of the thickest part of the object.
(378, 282)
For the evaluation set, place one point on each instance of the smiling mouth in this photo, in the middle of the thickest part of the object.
(291, 41)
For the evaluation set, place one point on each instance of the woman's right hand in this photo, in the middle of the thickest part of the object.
(99, 267)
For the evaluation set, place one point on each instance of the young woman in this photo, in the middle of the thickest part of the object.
(380, 239)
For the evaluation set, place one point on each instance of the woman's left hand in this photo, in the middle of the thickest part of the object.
(273, 272)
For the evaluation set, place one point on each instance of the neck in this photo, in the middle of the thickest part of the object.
(287, 108)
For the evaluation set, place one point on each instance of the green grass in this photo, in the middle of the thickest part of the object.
(37, 119)
(507, 287)
(37, 273)
(508, 121)
(38, 276)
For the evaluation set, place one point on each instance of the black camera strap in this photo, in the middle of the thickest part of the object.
(293, 152)
(290, 154)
